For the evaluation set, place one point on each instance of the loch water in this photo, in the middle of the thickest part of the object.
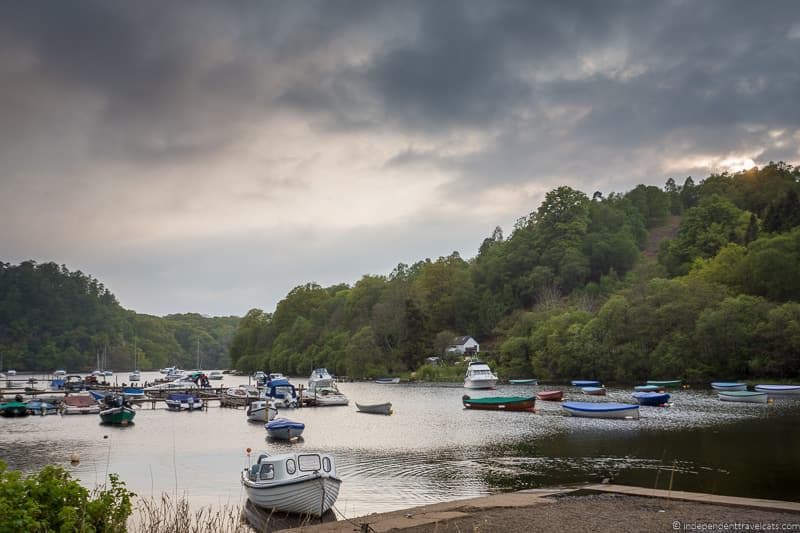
(431, 449)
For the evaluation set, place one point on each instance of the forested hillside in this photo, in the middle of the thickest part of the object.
(53, 318)
(569, 294)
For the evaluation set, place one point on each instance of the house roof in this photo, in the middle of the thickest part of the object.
(458, 341)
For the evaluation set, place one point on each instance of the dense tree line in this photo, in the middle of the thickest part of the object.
(569, 294)
(53, 318)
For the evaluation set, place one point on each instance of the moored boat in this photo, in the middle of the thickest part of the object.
(585, 383)
(320, 377)
(778, 390)
(327, 396)
(284, 429)
(728, 386)
(550, 395)
(15, 408)
(667, 383)
(594, 391)
(281, 393)
(743, 396)
(135, 376)
(601, 410)
(651, 398)
(117, 411)
(500, 403)
(387, 381)
(179, 401)
(215, 375)
(375, 409)
(479, 376)
(79, 404)
(529, 381)
(261, 411)
(303, 483)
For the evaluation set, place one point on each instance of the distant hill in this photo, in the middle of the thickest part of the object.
(53, 318)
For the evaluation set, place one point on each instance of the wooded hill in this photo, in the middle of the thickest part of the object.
(569, 294)
(52, 318)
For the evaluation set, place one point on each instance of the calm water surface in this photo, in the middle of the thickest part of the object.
(432, 449)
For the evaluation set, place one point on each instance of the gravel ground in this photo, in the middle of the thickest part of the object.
(618, 513)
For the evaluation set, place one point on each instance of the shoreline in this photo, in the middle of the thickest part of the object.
(590, 507)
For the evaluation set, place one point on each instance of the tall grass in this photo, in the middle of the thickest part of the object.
(169, 515)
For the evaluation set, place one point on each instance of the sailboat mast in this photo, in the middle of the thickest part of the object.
(198, 352)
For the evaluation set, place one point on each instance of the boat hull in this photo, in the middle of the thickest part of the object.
(743, 396)
(261, 411)
(652, 399)
(121, 416)
(550, 395)
(594, 391)
(779, 390)
(387, 381)
(500, 403)
(313, 495)
(648, 388)
(375, 409)
(729, 386)
(478, 384)
(595, 410)
(669, 384)
(14, 409)
(585, 383)
(523, 381)
(284, 429)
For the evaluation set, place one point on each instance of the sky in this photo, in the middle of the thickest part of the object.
(210, 156)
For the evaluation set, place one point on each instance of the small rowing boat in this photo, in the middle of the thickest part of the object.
(530, 381)
(375, 409)
(387, 381)
(651, 398)
(667, 383)
(500, 403)
(284, 429)
(728, 386)
(550, 395)
(594, 391)
(648, 388)
(601, 410)
(585, 383)
(779, 390)
(743, 396)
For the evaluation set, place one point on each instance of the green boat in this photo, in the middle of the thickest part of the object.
(500, 403)
(119, 416)
(527, 381)
(669, 384)
(10, 409)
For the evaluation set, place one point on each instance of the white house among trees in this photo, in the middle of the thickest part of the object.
(464, 346)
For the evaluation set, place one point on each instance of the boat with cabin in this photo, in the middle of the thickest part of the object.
(375, 408)
(320, 377)
(181, 401)
(59, 373)
(743, 396)
(281, 393)
(300, 483)
(500, 403)
(601, 410)
(328, 395)
(479, 376)
(239, 396)
(215, 375)
(284, 429)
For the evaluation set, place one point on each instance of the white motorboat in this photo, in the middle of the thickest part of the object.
(303, 483)
(479, 376)
(239, 396)
(323, 395)
(135, 376)
(215, 375)
(261, 411)
(320, 377)
(59, 373)
(184, 385)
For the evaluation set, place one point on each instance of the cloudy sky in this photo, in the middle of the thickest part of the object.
(209, 157)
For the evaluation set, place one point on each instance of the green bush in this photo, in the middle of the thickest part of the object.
(51, 500)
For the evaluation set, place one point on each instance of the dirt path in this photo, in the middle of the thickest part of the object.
(667, 230)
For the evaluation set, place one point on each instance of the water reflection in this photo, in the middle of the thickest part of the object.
(432, 449)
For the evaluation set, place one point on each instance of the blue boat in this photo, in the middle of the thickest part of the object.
(39, 407)
(284, 429)
(282, 393)
(594, 391)
(585, 383)
(179, 401)
(601, 410)
(779, 390)
(728, 385)
(651, 398)
(99, 395)
(648, 388)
